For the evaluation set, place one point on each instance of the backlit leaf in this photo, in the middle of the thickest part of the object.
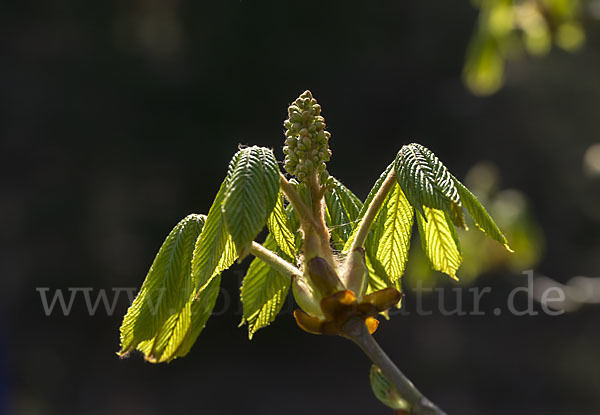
(425, 181)
(214, 251)
(252, 189)
(440, 241)
(178, 334)
(280, 228)
(388, 242)
(366, 205)
(263, 292)
(166, 287)
(480, 216)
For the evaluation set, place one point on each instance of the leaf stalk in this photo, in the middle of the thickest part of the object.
(372, 210)
(274, 260)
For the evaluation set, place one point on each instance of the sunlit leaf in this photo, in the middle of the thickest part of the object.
(252, 189)
(166, 287)
(425, 181)
(280, 228)
(439, 241)
(480, 215)
(388, 242)
(178, 334)
(366, 205)
(374, 190)
(376, 282)
(263, 292)
(214, 251)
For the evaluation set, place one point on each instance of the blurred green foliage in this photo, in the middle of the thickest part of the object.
(511, 210)
(507, 29)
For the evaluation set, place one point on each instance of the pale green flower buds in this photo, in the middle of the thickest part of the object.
(307, 148)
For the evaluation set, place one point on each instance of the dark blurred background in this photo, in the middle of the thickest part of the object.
(119, 118)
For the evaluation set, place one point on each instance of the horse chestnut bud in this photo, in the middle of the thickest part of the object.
(307, 149)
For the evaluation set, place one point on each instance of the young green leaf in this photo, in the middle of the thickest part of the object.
(280, 227)
(294, 225)
(439, 241)
(352, 204)
(375, 189)
(214, 251)
(427, 182)
(380, 276)
(445, 182)
(385, 391)
(201, 308)
(178, 334)
(263, 292)
(378, 280)
(480, 216)
(366, 205)
(389, 238)
(342, 211)
(166, 287)
(338, 222)
(252, 189)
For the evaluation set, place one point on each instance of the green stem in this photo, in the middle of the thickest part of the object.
(371, 213)
(303, 211)
(274, 260)
(318, 212)
(357, 331)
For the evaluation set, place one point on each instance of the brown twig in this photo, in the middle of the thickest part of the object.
(357, 331)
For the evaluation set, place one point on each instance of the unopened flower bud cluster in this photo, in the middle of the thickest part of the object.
(306, 146)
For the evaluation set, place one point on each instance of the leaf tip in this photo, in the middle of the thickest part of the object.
(151, 359)
(453, 276)
(243, 252)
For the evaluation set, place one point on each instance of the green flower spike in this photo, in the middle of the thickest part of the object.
(306, 146)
